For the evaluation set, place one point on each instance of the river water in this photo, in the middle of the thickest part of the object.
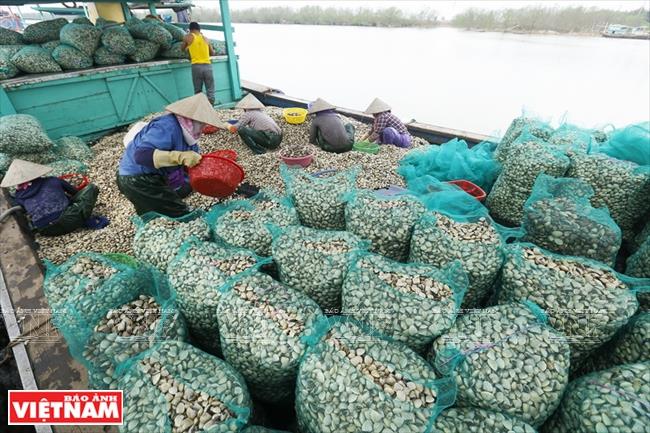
(473, 81)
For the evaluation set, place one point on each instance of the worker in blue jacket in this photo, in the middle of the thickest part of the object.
(152, 170)
(54, 207)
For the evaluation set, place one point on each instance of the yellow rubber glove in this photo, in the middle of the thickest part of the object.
(162, 158)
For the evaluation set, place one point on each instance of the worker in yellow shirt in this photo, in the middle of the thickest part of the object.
(200, 51)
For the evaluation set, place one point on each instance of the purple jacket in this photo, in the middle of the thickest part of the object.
(45, 199)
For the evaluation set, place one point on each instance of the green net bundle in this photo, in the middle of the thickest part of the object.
(315, 262)
(411, 303)
(150, 31)
(386, 221)
(83, 37)
(144, 51)
(628, 346)
(103, 57)
(176, 51)
(525, 162)
(630, 143)
(71, 147)
(70, 58)
(352, 379)
(45, 158)
(245, 223)
(452, 160)
(51, 45)
(82, 20)
(7, 68)
(102, 23)
(614, 400)
(263, 326)
(67, 166)
(320, 201)
(559, 217)
(219, 47)
(505, 358)
(108, 312)
(620, 185)
(44, 31)
(22, 133)
(118, 40)
(176, 388)
(570, 137)
(197, 273)
(519, 126)
(10, 37)
(474, 420)
(585, 300)
(177, 33)
(158, 237)
(35, 60)
(82, 273)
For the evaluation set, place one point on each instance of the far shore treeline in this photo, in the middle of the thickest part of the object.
(529, 19)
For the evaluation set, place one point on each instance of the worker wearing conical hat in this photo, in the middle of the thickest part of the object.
(54, 207)
(152, 170)
(386, 128)
(327, 130)
(255, 127)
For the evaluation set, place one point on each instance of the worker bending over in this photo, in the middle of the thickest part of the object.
(151, 170)
(327, 130)
(200, 51)
(255, 127)
(386, 128)
(53, 206)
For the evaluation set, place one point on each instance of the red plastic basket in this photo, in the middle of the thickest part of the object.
(209, 129)
(470, 188)
(225, 153)
(216, 176)
(78, 180)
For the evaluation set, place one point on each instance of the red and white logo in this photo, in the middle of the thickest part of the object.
(65, 407)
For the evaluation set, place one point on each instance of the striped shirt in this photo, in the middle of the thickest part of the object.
(386, 119)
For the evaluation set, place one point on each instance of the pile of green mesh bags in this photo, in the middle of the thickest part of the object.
(150, 30)
(23, 137)
(534, 127)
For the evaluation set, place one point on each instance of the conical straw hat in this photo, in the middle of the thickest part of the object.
(197, 107)
(250, 102)
(320, 105)
(377, 106)
(23, 171)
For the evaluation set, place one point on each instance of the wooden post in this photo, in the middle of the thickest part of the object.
(233, 70)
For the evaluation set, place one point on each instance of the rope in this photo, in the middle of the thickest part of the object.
(24, 337)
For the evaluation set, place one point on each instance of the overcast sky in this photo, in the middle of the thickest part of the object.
(446, 8)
